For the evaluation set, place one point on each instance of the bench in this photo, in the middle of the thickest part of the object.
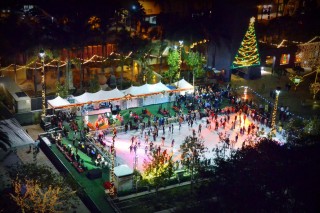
(68, 157)
(78, 168)
(176, 109)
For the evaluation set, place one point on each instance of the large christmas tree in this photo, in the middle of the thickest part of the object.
(247, 54)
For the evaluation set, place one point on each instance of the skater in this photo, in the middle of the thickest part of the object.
(199, 128)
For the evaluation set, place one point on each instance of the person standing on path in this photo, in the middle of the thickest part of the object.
(172, 143)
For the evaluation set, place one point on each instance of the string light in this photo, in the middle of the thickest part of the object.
(94, 59)
(248, 52)
(315, 87)
(199, 43)
(269, 102)
(307, 51)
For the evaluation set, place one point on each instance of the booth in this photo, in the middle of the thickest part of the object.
(123, 178)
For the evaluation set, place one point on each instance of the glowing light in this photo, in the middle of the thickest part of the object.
(52, 63)
(248, 52)
(245, 93)
(274, 114)
(43, 84)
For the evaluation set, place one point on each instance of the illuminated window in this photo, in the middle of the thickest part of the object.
(284, 59)
(298, 57)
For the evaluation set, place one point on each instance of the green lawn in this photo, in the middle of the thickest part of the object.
(93, 188)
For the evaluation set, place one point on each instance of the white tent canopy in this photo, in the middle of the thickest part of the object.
(155, 90)
(146, 89)
(183, 84)
(99, 96)
(85, 97)
(58, 102)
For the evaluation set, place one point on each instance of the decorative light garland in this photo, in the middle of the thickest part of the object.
(199, 43)
(64, 63)
(315, 87)
(267, 101)
(307, 53)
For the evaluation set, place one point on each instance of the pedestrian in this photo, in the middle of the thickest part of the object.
(126, 128)
(172, 143)
(172, 128)
(146, 150)
(199, 128)
(194, 132)
(237, 138)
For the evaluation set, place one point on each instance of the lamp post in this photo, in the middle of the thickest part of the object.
(43, 84)
(274, 113)
(112, 188)
(245, 92)
(180, 58)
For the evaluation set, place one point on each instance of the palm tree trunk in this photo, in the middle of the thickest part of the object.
(58, 70)
(35, 78)
(122, 75)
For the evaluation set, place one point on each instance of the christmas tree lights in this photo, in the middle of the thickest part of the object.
(247, 54)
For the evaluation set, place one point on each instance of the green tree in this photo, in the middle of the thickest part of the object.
(61, 90)
(123, 61)
(192, 155)
(266, 177)
(174, 65)
(302, 132)
(36, 181)
(158, 170)
(247, 54)
(94, 85)
(195, 62)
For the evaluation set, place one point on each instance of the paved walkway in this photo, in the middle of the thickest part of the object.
(299, 101)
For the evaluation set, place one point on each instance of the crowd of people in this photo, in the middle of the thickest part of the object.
(206, 102)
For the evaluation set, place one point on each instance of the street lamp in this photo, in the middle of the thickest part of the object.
(43, 84)
(245, 92)
(112, 188)
(274, 113)
(180, 58)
